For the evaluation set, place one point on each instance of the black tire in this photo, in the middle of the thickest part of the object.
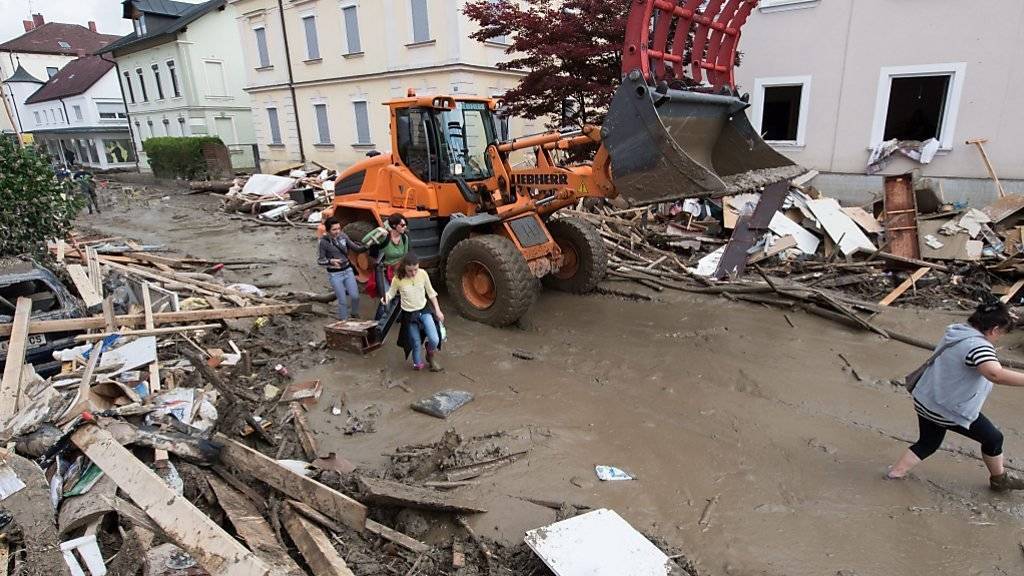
(512, 282)
(586, 259)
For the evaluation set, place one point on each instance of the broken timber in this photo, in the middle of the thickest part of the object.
(899, 290)
(253, 528)
(315, 546)
(44, 326)
(212, 547)
(330, 502)
(407, 542)
(11, 383)
(396, 494)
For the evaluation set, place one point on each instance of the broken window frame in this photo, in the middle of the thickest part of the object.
(957, 72)
(757, 109)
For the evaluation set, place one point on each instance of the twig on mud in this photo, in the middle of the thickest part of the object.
(415, 565)
(705, 517)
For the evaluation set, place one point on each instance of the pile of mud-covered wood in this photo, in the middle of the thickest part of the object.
(791, 243)
(292, 197)
(173, 440)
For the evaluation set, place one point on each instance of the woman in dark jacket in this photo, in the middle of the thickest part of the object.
(332, 254)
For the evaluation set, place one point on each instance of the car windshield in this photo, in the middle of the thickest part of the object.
(465, 133)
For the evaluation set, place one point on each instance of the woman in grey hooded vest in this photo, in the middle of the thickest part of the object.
(953, 389)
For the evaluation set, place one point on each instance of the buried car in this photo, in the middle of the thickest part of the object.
(50, 301)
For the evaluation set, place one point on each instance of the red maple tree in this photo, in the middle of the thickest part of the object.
(570, 50)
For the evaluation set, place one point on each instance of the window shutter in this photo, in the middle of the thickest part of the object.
(352, 29)
(362, 123)
(261, 46)
(312, 44)
(420, 23)
(323, 128)
(275, 127)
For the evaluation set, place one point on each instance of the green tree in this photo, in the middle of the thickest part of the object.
(34, 205)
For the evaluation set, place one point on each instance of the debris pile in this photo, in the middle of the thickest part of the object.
(173, 440)
(293, 194)
(909, 247)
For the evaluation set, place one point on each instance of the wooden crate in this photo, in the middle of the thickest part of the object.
(358, 336)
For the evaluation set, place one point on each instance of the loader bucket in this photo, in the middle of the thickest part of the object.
(672, 144)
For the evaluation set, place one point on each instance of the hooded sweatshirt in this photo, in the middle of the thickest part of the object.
(952, 390)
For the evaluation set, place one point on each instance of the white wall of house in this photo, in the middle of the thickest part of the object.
(38, 65)
(846, 55)
(211, 101)
(94, 125)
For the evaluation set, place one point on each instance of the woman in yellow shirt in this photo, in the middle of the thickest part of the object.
(419, 323)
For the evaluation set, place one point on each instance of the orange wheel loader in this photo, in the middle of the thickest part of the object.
(676, 129)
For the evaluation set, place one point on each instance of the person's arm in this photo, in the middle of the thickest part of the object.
(994, 372)
(392, 290)
(357, 247)
(432, 296)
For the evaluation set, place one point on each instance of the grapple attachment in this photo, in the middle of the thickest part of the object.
(668, 144)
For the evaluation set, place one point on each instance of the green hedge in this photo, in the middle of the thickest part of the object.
(34, 206)
(178, 157)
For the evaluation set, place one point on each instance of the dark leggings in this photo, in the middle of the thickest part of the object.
(982, 430)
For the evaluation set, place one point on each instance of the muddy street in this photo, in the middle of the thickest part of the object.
(700, 399)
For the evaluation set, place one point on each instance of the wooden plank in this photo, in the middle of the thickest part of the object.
(108, 314)
(84, 285)
(784, 243)
(199, 285)
(253, 529)
(912, 261)
(184, 524)
(95, 274)
(153, 332)
(901, 216)
(18, 344)
(864, 219)
(83, 401)
(980, 143)
(397, 494)
(45, 326)
(892, 296)
(1013, 291)
(1004, 208)
(841, 228)
(306, 438)
(147, 308)
(314, 545)
(332, 503)
(389, 534)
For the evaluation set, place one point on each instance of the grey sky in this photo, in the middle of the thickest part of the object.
(106, 13)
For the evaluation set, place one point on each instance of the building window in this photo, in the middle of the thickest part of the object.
(119, 151)
(51, 71)
(420, 22)
(216, 85)
(36, 114)
(111, 111)
(78, 111)
(312, 43)
(781, 108)
(261, 46)
(499, 39)
(128, 84)
(323, 128)
(362, 123)
(159, 85)
(140, 25)
(351, 16)
(173, 73)
(142, 85)
(93, 154)
(918, 103)
(60, 115)
(275, 126)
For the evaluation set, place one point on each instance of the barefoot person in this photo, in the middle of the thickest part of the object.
(332, 254)
(952, 391)
(420, 323)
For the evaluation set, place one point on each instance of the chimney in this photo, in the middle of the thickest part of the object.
(92, 25)
(37, 19)
(28, 24)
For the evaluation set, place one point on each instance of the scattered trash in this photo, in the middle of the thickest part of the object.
(443, 404)
(611, 473)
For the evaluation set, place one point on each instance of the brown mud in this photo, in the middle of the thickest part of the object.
(699, 398)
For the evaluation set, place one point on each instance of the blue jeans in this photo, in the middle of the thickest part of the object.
(426, 319)
(345, 287)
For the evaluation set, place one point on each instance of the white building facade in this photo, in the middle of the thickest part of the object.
(181, 75)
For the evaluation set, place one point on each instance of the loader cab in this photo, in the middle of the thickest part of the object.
(443, 140)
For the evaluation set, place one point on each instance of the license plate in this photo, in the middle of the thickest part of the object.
(34, 341)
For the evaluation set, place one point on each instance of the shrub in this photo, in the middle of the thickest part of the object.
(179, 157)
(34, 205)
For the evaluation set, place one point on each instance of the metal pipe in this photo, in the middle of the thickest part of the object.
(291, 81)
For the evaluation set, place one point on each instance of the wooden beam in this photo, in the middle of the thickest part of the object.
(83, 401)
(314, 545)
(84, 286)
(912, 261)
(1012, 291)
(389, 534)
(330, 502)
(95, 274)
(147, 308)
(108, 314)
(199, 285)
(45, 326)
(253, 529)
(184, 524)
(892, 296)
(980, 143)
(398, 494)
(306, 439)
(18, 344)
(148, 332)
